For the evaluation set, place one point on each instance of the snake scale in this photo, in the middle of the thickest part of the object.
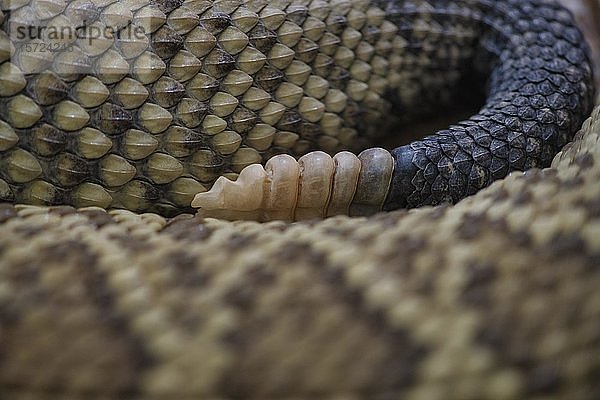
(494, 297)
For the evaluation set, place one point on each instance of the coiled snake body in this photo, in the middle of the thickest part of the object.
(493, 297)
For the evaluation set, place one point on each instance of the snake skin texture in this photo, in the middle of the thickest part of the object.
(144, 124)
(495, 297)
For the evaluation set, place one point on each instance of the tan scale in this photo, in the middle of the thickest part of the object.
(12, 80)
(297, 72)
(95, 45)
(222, 104)
(92, 143)
(289, 33)
(138, 144)
(243, 157)
(182, 191)
(344, 57)
(213, 124)
(150, 18)
(272, 17)
(90, 92)
(21, 166)
(244, 19)
(233, 40)
(202, 86)
(183, 20)
(22, 112)
(237, 82)
(148, 67)
(200, 42)
(260, 137)
(115, 170)
(329, 43)
(70, 116)
(281, 56)
(163, 168)
(250, 60)
(313, 28)
(226, 142)
(272, 113)
(256, 98)
(39, 192)
(154, 118)
(46, 9)
(132, 41)
(8, 136)
(7, 48)
(289, 94)
(32, 62)
(111, 67)
(130, 93)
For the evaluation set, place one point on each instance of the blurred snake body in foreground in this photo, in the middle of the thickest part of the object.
(493, 297)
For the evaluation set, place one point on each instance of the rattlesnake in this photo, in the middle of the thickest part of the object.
(493, 297)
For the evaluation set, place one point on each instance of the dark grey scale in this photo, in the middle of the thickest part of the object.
(338, 77)
(67, 170)
(137, 195)
(262, 38)
(190, 112)
(218, 63)
(306, 50)
(371, 33)
(166, 42)
(309, 130)
(166, 6)
(182, 142)
(47, 88)
(243, 120)
(323, 65)
(167, 92)
(352, 113)
(205, 165)
(524, 130)
(290, 121)
(46, 140)
(6, 192)
(215, 21)
(83, 13)
(269, 78)
(112, 119)
(336, 23)
(296, 13)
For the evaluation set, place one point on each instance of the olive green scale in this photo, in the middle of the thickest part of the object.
(147, 122)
